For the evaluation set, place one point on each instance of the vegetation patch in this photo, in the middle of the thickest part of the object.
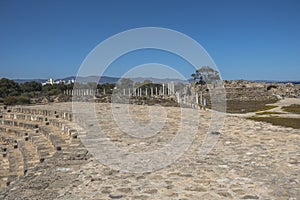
(266, 108)
(268, 113)
(279, 121)
(234, 106)
(12, 100)
(294, 108)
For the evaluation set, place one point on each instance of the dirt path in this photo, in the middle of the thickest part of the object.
(282, 103)
(286, 102)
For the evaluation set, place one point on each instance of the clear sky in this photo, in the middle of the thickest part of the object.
(247, 39)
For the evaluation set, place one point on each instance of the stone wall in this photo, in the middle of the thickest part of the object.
(254, 91)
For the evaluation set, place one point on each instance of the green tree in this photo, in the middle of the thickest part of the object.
(206, 75)
(9, 88)
(10, 100)
(203, 76)
(147, 82)
(108, 87)
(126, 83)
(23, 100)
(31, 86)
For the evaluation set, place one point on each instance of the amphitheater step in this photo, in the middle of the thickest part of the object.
(43, 146)
(40, 120)
(29, 121)
(30, 156)
(16, 164)
(4, 168)
(57, 138)
(18, 123)
(42, 112)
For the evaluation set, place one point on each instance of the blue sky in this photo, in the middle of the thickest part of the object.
(247, 39)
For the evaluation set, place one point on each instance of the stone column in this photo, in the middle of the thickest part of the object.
(178, 97)
(204, 104)
(173, 87)
(197, 101)
(168, 89)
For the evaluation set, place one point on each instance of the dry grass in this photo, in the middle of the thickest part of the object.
(268, 113)
(294, 108)
(248, 106)
(279, 121)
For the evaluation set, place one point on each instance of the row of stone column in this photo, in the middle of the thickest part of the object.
(189, 100)
(194, 101)
(83, 92)
(128, 91)
(149, 91)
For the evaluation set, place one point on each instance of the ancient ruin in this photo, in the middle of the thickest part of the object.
(43, 157)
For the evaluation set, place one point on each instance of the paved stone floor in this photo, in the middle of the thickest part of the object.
(251, 160)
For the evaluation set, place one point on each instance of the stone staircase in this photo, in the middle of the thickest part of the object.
(29, 137)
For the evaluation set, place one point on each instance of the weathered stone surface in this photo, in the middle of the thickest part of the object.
(252, 160)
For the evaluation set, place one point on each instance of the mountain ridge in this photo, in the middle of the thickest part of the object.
(110, 79)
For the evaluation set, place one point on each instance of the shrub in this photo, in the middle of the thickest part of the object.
(23, 100)
(10, 100)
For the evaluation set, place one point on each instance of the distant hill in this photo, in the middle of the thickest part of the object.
(87, 79)
(102, 79)
(29, 80)
(108, 79)
(270, 81)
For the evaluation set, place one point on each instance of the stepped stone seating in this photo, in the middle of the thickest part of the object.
(55, 114)
(28, 151)
(53, 133)
(42, 146)
(30, 155)
(4, 165)
(14, 156)
(16, 164)
(31, 136)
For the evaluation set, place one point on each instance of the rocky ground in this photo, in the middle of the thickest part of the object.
(251, 160)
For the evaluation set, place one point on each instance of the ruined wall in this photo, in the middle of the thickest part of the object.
(254, 91)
